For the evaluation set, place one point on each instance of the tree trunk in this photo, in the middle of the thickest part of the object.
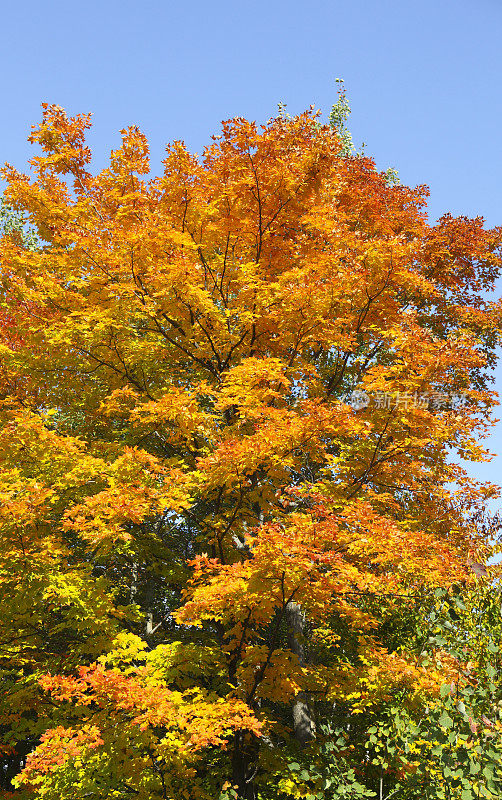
(303, 722)
(244, 757)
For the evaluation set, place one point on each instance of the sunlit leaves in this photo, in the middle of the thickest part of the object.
(184, 470)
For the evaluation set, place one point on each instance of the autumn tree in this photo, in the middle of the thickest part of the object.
(235, 399)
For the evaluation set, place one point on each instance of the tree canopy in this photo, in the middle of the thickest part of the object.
(240, 556)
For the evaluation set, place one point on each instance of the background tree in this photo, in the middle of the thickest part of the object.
(231, 399)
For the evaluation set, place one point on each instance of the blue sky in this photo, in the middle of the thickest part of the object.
(424, 81)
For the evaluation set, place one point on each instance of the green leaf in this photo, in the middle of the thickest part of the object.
(445, 720)
(491, 671)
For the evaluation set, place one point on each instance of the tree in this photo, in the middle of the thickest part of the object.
(231, 396)
(456, 748)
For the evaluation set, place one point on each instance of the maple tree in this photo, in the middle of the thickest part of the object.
(234, 399)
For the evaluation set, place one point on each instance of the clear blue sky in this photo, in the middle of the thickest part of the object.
(424, 80)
